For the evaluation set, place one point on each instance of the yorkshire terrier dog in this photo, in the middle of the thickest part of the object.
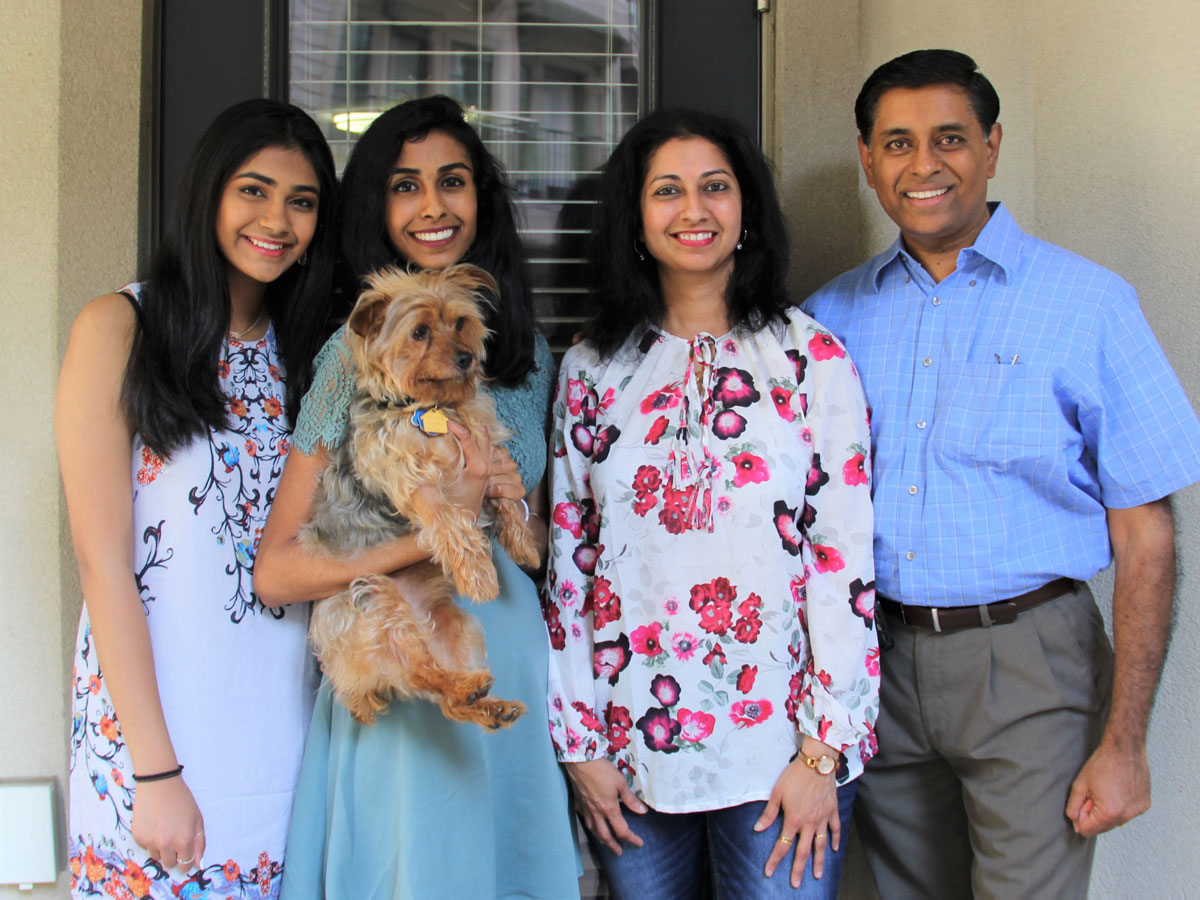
(417, 342)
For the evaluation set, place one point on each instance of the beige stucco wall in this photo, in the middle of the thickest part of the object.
(1100, 103)
(70, 103)
(1100, 110)
(30, 643)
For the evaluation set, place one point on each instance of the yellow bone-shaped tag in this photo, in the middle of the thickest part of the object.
(431, 421)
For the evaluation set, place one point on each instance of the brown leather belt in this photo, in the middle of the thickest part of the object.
(983, 615)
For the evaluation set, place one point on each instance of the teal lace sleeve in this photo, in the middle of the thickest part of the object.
(325, 410)
(525, 409)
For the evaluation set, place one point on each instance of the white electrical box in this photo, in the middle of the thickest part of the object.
(27, 846)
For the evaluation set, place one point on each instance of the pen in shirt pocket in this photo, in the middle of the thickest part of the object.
(999, 361)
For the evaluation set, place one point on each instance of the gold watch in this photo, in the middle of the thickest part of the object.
(822, 765)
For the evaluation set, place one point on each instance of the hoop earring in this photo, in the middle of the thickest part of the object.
(639, 248)
(745, 236)
(303, 260)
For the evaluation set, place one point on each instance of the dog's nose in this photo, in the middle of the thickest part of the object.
(463, 360)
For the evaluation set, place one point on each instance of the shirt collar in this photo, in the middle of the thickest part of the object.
(999, 243)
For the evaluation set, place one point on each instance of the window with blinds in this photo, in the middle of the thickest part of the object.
(551, 85)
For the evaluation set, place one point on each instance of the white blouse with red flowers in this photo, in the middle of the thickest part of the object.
(710, 592)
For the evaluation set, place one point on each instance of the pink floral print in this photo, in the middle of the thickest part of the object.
(711, 514)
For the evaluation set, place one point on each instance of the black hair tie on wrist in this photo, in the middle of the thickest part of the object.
(159, 776)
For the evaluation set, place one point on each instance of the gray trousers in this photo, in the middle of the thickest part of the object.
(981, 733)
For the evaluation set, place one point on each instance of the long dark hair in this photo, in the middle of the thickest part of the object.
(171, 391)
(497, 247)
(625, 289)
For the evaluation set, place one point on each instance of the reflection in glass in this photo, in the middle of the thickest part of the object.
(551, 85)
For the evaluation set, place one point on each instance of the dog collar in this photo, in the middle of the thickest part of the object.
(431, 420)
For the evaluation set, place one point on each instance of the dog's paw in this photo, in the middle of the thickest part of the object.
(481, 691)
(478, 582)
(491, 713)
(503, 713)
(364, 707)
(521, 547)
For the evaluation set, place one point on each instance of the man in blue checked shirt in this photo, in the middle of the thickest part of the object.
(1027, 429)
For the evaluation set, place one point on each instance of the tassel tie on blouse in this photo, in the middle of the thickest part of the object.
(690, 468)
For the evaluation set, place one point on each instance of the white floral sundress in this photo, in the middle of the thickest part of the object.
(235, 678)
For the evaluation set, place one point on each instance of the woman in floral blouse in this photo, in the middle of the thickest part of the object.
(710, 596)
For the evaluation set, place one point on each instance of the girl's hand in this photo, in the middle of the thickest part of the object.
(167, 822)
(810, 818)
(600, 789)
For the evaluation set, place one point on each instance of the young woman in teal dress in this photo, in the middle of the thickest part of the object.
(416, 806)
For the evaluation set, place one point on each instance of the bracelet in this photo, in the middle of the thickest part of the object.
(159, 776)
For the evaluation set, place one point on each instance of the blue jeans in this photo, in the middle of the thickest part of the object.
(681, 850)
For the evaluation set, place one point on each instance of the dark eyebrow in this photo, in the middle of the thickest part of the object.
(702, 175)
(448, 167)
(938, 129)
(270, 182)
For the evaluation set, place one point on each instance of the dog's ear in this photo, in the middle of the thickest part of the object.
(367, 318)
(474, 279)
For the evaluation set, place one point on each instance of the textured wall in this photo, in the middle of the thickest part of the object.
(31, 662)
(70, 101)
(1118, 111)
(1101, 115)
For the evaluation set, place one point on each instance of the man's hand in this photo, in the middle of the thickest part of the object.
(1114, 785)
(1111, 788)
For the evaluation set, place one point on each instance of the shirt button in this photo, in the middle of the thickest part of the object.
(972, 282)
(910, 555)
(920, 423)
(907, 279)
(927, 362)
(912, 488)
(937, 301)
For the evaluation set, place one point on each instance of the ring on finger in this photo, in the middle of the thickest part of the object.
(185, 862)
(786, 840)
(822, 836)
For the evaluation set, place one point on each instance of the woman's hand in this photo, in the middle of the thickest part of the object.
(600, 789)
(810, 815)
(470, 488)
(503, 478)
(488, 471)
(167, 822)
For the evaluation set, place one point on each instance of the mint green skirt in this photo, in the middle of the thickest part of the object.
(416, 807)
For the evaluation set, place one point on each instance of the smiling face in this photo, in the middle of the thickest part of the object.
(929, 162)
(431, 208)
(691, 209)
(267, 217)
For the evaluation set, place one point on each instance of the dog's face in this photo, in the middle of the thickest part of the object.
(422, 334)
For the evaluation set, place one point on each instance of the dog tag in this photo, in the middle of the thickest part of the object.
(431, 421)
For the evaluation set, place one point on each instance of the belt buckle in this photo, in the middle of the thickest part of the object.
(937, 625)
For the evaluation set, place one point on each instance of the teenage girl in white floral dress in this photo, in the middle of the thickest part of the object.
(191, 699)
(710, 598)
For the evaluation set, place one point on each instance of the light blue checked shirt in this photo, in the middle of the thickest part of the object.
(1011, 404)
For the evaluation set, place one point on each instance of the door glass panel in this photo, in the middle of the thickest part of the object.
(551, 85)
